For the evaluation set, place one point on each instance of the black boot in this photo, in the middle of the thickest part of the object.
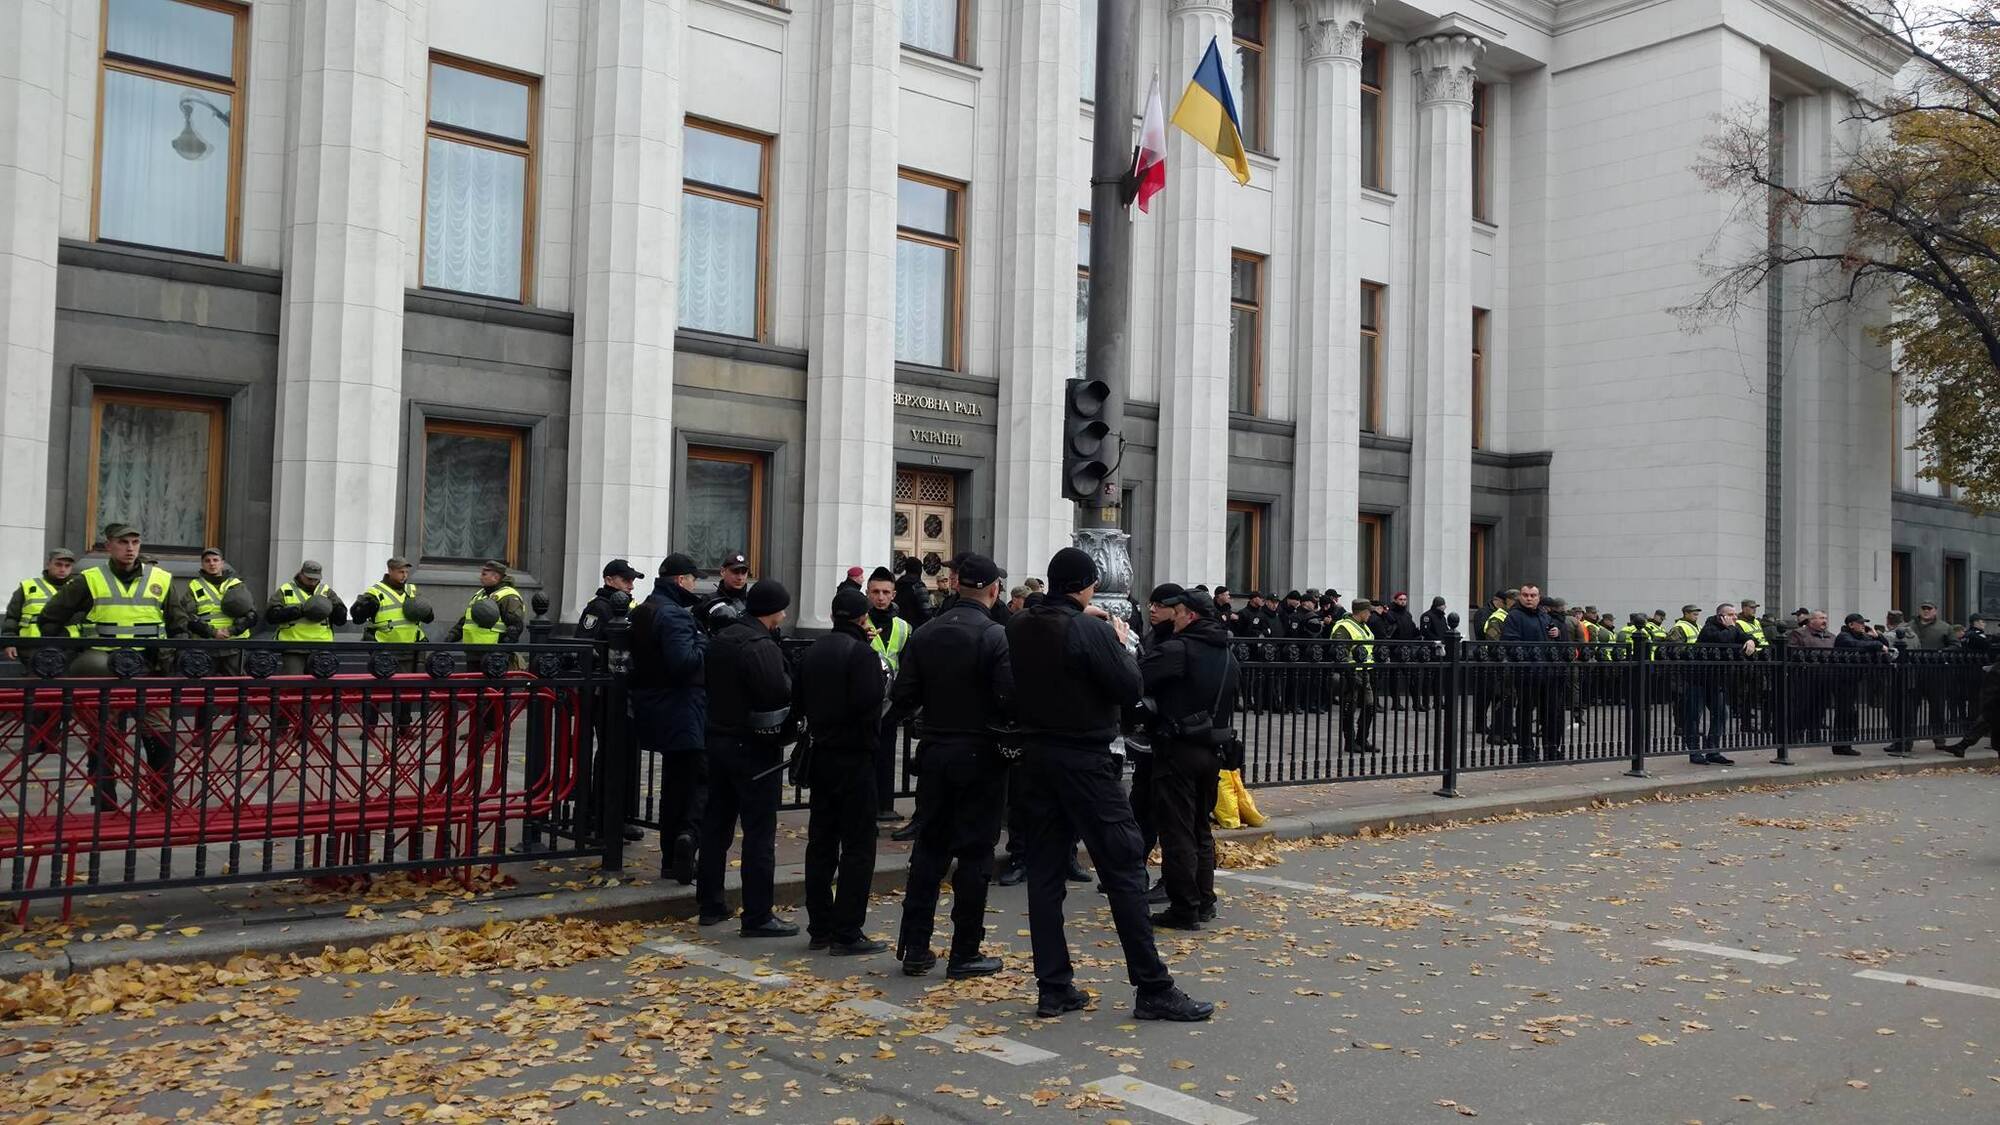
(1172, 1004)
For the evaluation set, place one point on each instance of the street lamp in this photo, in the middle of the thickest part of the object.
(189, 144)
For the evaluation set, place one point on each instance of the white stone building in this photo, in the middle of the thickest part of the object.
(564, 280)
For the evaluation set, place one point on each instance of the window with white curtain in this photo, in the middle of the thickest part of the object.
(1086, 55)
(937, 26)
(168, 152)
(722, 229)
(1082, 290)
(472, 492)
(928, 239)
(478, 159)
(156, 462)
(724, 509)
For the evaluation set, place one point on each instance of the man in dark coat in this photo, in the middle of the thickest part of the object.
(1540, 677)
(1709, 690)
(749, 701)
(841, 689)
(913, 598)
(670, 708)
(1856, 646)
(1191, 673)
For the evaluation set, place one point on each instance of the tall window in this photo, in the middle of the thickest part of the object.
(1374, 75)
(1478, 378)
(478, 163)
(929, 233)
(168, 154)
(1482, 548)
(725, 506)
(1086, 52)
(1479, 151)
(1249, 28)
(1246, 332)
(1369, 541)
(1371, 357)
(1243, 545)
(156, 461)
(937, 26)
(1082, 292)
(1955, 589)
(472, 492)
(1899, 582)
(722, 229)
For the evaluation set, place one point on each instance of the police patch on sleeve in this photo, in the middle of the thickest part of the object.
(589, 622)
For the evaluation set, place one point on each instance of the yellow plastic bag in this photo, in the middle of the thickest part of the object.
(1225, 803)
(1246, 809)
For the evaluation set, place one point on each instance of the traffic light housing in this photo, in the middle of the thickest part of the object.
(1084, 432)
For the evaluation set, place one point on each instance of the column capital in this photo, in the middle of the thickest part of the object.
(1333, 29)
(1221, 8)
(1445, 66)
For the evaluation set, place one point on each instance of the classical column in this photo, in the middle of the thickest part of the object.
(1038, 284)
(1193, 460)
(1440, 511)
(32, 50)
(625, 291)
(340, 375)
(1326, 458)
(850, 452)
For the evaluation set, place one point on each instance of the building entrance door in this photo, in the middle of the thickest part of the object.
(926, 509)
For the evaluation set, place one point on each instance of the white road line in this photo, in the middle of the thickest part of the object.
(1172, 1103)
(1010, 1051)
(1544, 924)
(1274, 881)
(1725, 951)
(1938, 983)
(723, 962)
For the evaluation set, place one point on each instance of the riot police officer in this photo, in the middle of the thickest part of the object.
(1073, 678)
(305, 610)
(732, 592)
(221, 599)
(24, 609)
(1191, 680)
(749, 695)
(842, 687)
(393, 612)
(955, 673)
(614, 599)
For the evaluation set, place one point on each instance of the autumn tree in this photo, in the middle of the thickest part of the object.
(1911, 214)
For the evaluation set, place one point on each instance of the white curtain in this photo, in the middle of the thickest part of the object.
(716, 523)
(473, 203)
(149, 192)
(931, 25)
(152, 470)
(466, 482)
(923, 303)
(1086, 56)
(1082, 321)
(718, 266)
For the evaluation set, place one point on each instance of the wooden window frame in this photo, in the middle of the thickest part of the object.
(761, 201)
(1257, 513)
(526, 149)
(1481, 153)
(217, 412)
(759, 465)
(1379, 88)
(1480, 319)
(1371, 385)
(239, 65)
(1955, 600)
(1481, 551)
(961, 45)
(516, 472)
(1255, 307)
(1370, 584)
(1262, 47)
(956, 244)
(1900, 588)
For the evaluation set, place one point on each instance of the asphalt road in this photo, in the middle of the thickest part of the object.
(1740, 958)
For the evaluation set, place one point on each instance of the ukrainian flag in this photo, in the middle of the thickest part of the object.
(1208, 114)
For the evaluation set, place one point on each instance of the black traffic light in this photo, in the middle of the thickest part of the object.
(1084, 431)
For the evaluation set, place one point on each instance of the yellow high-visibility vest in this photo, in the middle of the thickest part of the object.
(391, 626)
(299, 629)
(892, 648)
(1355, 631)
(208, 598)
(128, 610)
(478, 634)
(1752, 628)
(35, 595)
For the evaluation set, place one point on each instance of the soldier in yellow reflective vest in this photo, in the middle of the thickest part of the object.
(1751, 695)
(496, 613)
(305, 609)
(221, 599)
(1357, 703)
(393, 612)
(24, 609)
(887, 634)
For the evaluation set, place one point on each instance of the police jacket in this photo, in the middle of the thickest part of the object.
(955, 671)
(669, 664)
(721, 608)
(1434, 627)
(840, 690)
(1402, 626)
(1184, 674)
(604, 605)
(1071, 676)
(913, 600)
(745, 674)
(1256, 623)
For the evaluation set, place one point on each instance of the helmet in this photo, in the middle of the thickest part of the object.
(485, 613)
(317, 608)
(238, 602)
(419, 611)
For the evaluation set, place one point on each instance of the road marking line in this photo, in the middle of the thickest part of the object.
(1725, 951)
(1938, 983)
(723, 962)
(1173, 1103)
(1010, 1051)
(1274, 881)
(1543, 923)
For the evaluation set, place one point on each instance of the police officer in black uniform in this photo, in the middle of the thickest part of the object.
(955, 673)
(613, 600)
(1191, 679)
(1073, 679)
(749, 695)
(841, 687)
(731, 597)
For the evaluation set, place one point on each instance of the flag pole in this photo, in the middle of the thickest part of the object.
(1107, 334)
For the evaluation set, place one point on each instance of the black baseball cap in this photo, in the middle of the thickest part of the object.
(1854, 617)
(677, 564)
(736, 562)
(1167, 593)
(977, 570)
(619, 568)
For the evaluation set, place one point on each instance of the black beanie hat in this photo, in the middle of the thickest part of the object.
(849, 604)
(1437, 602)
(881, 575)
(1071, 571)
(767, 597)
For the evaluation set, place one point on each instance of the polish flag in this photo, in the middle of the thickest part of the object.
(1149, 160)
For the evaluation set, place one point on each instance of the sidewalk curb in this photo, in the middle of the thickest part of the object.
(659, 901)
